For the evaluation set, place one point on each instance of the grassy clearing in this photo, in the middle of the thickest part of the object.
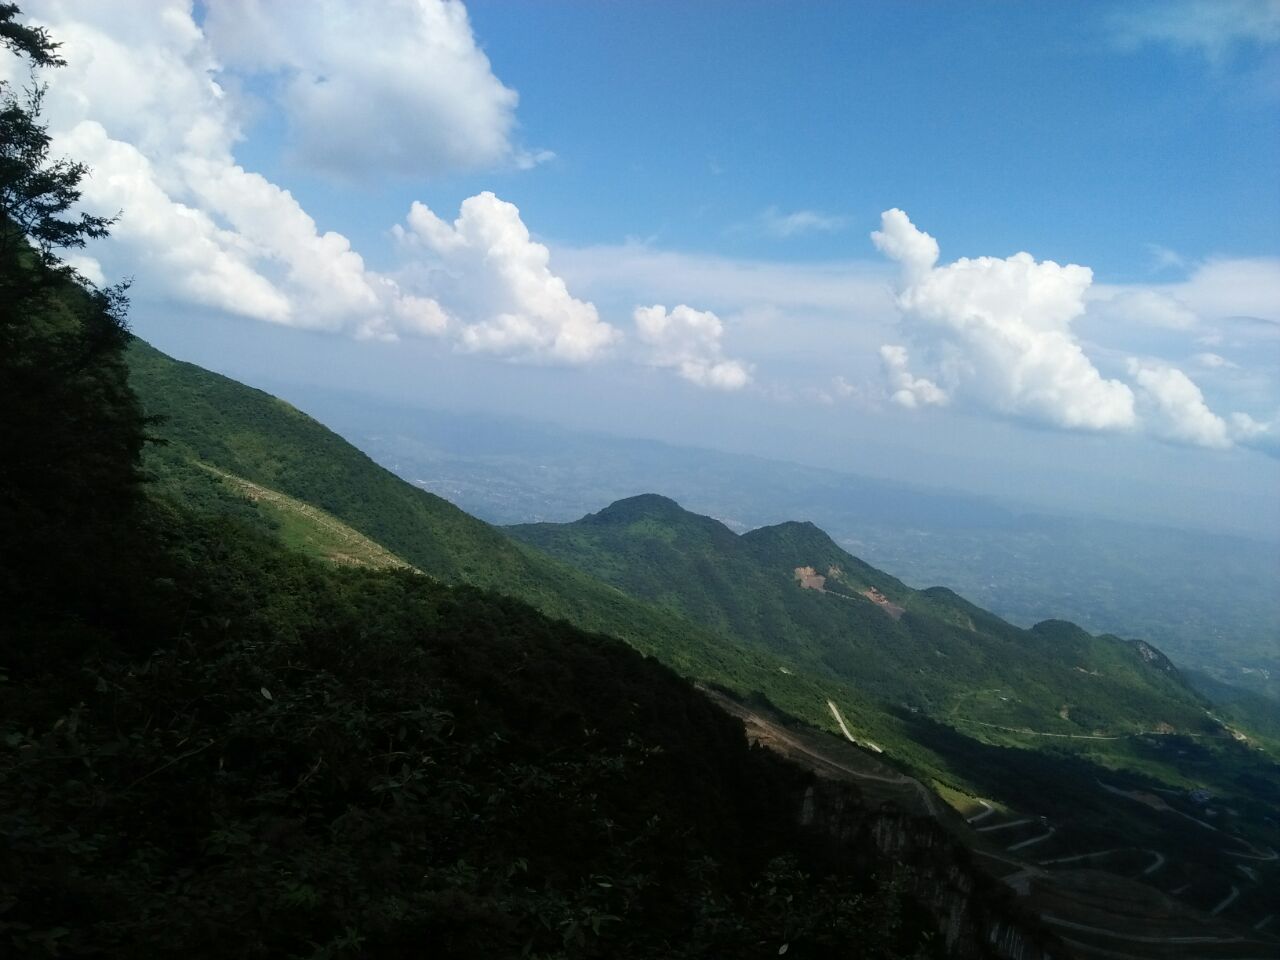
(311, 531)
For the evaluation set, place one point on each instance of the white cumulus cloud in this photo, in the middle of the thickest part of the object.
(394, 87)
(688, 341)
(142, 104)
(1175, 408)
(495, 283)
(999, 332)
(908, 390)
(900, 240)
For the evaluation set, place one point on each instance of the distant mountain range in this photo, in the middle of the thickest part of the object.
(790, 590)
(681, 586)
(1206, 599)
(1046, 726)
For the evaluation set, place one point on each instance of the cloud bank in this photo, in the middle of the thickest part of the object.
(1000, 331)
(688, 341)
(147, 102)
(439, 106)
(143, 104)
(153, 102)
(997, 333)
(500, 294)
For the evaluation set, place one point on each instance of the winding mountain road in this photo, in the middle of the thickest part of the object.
(1227, 901)
(1006, 825)
(835, 712)
(987, 811)
(1033, 841)
(778, 733)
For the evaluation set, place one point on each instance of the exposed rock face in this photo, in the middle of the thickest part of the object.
(810, 579)
(975, 915)
(883, 602)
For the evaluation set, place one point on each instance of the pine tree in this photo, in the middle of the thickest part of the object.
(71, 430)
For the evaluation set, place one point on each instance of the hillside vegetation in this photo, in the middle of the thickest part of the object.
(795, 662)
(1207, 600)
(248, 754)
(263, 699)
(1048, 722)
(218, 434)
(790, 590)
(213, 744)
(695, 620)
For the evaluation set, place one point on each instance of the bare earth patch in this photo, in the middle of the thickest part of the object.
(811, 579)
(883, 602)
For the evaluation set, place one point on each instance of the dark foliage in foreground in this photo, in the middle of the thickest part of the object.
(255, 756)
(214, 747)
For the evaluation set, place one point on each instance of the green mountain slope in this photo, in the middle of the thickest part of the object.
(309, 531)
(1047, 723)
(790, 590)
(212, 744)
(218, 435)
(751, 628)
(250, 753)
(692, 594)
(210, 421)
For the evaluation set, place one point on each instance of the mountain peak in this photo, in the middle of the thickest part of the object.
(644, 506)
(794, 534)
(664, 517)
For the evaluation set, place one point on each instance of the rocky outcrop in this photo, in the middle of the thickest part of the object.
(975, 916)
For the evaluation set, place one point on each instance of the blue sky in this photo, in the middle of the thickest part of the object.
(1003, 126)
(658, 219)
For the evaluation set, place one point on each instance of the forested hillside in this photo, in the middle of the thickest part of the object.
(711, 591)
(1206, 600)
(209, 421)
(261, 698)
(251, 755)
(790, 590)
(705, 599)
(770, 639)
(214, 745)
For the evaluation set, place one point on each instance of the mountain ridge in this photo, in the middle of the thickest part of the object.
(1000, 754)
(854, 621)
(1204, 598)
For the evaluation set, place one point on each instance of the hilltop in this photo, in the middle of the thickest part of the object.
(790, 590)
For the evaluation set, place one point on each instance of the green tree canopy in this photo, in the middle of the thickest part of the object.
(71, 430)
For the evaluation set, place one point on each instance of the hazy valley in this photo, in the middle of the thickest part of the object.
(1205, 599)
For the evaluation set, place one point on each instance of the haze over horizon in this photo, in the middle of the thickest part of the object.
(1029, 252)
